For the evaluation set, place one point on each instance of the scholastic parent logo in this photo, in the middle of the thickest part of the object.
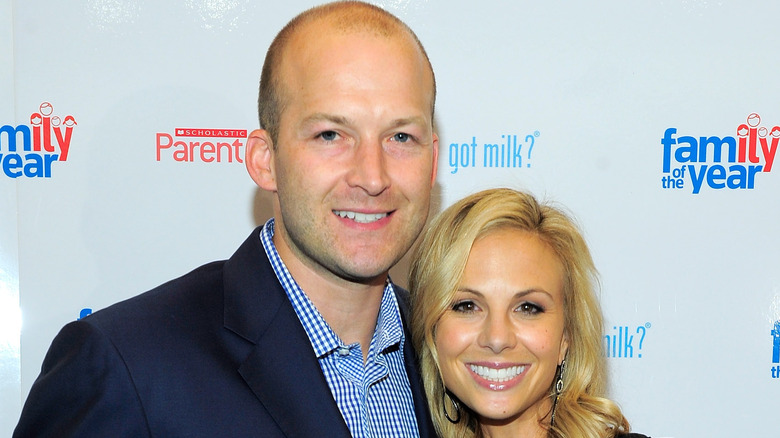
(203, 145)
(30, 150)
(712, 162)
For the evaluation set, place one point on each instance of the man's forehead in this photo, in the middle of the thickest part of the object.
(331, 32)
(319, 41)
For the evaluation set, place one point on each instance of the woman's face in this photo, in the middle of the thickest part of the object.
(501, 338)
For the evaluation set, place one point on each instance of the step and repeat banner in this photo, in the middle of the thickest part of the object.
(656, 124)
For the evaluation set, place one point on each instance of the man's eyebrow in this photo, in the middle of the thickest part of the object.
(320, 117)
(341, 120)
(414, 120)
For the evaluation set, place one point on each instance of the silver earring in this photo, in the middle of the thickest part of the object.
(558, 389)
(455, 405)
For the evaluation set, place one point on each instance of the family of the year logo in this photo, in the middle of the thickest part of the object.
(776, 350)
(203, 145)
(621, 342)
(511, 151)
(713, 162)
(44, 141)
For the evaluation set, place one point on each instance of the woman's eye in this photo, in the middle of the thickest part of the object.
(401, 137)
(464, 306)
(328, 135)
(530, 308)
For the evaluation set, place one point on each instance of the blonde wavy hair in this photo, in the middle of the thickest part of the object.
(436, 270)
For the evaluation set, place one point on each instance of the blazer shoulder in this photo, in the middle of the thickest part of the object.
(83, 383)
(189, 296)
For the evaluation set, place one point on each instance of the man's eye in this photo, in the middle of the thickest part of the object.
(328, 135)
(401, 137)
(464, 306)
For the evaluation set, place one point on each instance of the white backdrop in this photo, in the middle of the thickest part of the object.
(579, 96)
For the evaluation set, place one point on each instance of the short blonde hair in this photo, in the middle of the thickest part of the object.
(436, 270)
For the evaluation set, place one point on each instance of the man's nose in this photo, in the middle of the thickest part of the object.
(369, 168)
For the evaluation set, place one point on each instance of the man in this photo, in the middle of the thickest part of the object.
(300, 332)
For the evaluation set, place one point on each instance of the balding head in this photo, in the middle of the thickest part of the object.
(344, 17)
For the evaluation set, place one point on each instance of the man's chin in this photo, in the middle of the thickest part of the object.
(366, 273)
(366, 277)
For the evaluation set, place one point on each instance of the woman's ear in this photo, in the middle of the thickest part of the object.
(259, 159)
(564, 348)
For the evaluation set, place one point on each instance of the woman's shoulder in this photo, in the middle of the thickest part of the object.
(631, 435)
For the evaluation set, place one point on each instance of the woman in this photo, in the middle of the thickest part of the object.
(507, 325)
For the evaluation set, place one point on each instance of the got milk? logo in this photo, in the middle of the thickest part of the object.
(620, 342)
(717, 162)
(508, 153)
(45, 141)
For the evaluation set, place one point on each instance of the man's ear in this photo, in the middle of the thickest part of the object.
(435, 158)
(259, 159)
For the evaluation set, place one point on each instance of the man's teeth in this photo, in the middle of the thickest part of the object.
(360, 217)
(497, 375)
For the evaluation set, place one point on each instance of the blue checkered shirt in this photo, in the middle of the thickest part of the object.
(375, 399)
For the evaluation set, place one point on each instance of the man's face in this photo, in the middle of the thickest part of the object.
(356, 155)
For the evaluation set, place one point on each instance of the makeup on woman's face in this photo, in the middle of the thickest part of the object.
(502, 336)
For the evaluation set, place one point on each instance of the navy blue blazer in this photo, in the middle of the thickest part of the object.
(218, 352)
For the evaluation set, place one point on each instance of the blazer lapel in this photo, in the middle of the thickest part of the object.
(281, 368)
(285, 376)
(424, 423)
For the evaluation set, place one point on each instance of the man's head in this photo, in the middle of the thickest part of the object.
(343, 17)
(348, 146)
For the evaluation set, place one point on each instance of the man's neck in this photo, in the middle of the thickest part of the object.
(350, 308)
(352, 314)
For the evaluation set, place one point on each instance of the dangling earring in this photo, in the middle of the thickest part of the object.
(558, 389)
(455, 405)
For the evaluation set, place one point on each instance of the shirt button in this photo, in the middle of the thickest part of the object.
(343, 351)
